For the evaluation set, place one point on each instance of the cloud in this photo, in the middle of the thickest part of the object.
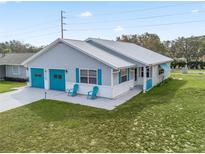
(3, 2)
(195, 11)
(118, 28)
(86, 14)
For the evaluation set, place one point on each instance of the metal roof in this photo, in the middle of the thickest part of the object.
(99, 54)
(133, 51)
(14, 58)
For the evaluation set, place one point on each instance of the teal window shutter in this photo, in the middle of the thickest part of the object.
(128, 74)
(120, 76)
(77, 75)
(99, 77)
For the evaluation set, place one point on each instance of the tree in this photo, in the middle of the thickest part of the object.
(184, 48)
(17, 47)
(191, 48)
(147, 40)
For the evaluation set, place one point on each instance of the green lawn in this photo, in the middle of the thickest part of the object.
(169, 118)
(6, 86)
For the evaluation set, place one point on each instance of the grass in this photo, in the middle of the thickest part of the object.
(6, 86)
(169, 118)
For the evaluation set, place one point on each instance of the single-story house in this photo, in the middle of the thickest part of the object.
(116, 67)
(12, 68)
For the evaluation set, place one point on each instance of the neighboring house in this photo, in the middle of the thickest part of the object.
(11, 67)
(116, 67)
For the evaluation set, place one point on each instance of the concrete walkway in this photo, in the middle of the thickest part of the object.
(27, 95)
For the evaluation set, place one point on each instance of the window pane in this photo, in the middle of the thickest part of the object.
(142, 71)
(161, 71)
(135, 74)
(92, 73)
(38, 75)
(84, 80)
(55, 76)
(123, 72)
(92, 80)
(59, 76)
(84, 73)
(123, 78)
(147, 72)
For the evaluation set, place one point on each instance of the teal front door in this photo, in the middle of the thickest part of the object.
(149, 84)
(37, 77)
(57, 79)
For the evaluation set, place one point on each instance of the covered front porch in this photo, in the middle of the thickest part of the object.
(141, 76)
(125, 79)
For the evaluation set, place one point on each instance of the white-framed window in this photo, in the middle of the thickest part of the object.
(141, 71)
(148, 72)
(161, 70)
(135, 71)
(15, 70)
(123, 75)
(88, 76)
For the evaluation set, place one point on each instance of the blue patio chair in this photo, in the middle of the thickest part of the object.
(93, 94)
(73, 92)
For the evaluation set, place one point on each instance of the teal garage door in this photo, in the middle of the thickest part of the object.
(57, 79)
(37, 77)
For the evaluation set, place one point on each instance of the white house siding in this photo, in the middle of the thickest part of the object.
(122, 88)
(65, 57)
(21, 74)
(139, 81)
(156, 78)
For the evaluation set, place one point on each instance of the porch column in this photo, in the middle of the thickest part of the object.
(112, 77)
(144, 79)
(111, 84)
(28, 73)
(46, 78)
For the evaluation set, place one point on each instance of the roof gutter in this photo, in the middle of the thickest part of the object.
(162, 62)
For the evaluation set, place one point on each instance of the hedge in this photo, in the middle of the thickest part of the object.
(191, 64)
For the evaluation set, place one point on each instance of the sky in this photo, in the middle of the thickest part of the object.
(38, 23)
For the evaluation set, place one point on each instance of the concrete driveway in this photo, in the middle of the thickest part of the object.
(19, 97)
(27, 95)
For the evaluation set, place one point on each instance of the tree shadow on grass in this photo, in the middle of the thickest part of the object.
(161, 94)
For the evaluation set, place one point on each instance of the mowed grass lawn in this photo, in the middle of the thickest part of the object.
(6, 86)
(169, 118)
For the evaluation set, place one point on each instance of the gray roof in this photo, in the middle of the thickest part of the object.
(130, 50)
(14, 58)
(99, 54)
(133, 51)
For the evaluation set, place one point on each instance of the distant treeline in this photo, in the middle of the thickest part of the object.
(17, 47)
(192, 49)
(191, 64)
